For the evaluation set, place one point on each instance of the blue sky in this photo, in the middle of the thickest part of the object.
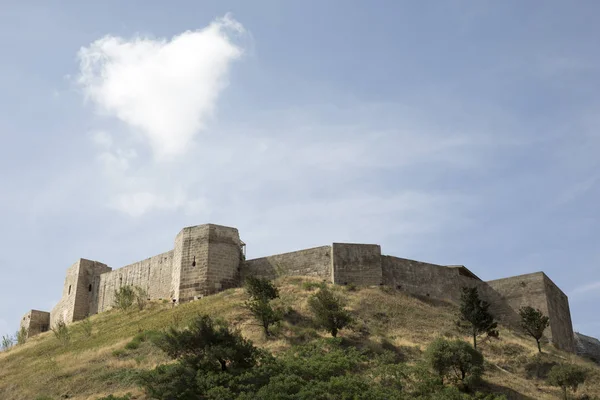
(462, 132)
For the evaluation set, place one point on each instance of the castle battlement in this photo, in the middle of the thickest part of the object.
(209, 258)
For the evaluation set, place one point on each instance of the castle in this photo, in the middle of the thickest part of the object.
(210, 258)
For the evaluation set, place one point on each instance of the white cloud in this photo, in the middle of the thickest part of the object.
(165, 90)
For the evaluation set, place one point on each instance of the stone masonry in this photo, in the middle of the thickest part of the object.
(209, 258)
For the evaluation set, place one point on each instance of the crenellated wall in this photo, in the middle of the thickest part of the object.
(209, 258)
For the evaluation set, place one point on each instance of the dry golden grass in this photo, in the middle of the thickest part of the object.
(92, 367)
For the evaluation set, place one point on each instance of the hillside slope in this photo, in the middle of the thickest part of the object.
(386, 319)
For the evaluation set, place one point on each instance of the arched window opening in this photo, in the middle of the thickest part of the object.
(90, 288)
(69, 289)
(194, 262)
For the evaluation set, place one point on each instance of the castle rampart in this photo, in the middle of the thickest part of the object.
(152, 274)
(314, 262)
(209, 258)
(538, 291)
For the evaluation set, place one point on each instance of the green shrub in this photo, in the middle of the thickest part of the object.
(351, 287)
(62, 333)
(141, 298)
(206, 343)
(567, 376)
(7, 342)
(329, 311)
(21, 335)
(124, 298)
(112, 397)
(134, 344)
(119, 353)
(310, 286)
(455, 360)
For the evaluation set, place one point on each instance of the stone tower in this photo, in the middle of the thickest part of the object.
(206, 260)
(80, 292)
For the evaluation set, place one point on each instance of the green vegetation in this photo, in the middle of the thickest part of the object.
(329, 311)
(7, 342)
(62, 332)
(534, 322)
(261, 292)
(141, 298)
(474, 315)
(567, 376)
(456, 361)
(384, 354)
(124, 298)
(21, 335)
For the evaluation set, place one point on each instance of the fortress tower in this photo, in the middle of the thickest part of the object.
(206, 260)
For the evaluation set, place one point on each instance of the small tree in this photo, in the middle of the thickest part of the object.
(7, 342)
(456, 360)
(329, 311)
(567, 376)
(22, 335)
(124, 297)
(261, 292)
(534, 322)
(261, 289)
(474, 315)
(62, 332)
(209, 346)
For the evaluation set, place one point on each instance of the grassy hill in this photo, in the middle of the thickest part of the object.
(100, 364)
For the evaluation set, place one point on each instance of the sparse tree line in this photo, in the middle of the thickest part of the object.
(212, 361)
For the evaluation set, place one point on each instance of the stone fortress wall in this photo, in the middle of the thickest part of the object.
(210, 258)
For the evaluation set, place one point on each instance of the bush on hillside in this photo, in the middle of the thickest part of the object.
(209, 345)
(62, 333)
(329, 311)
(21, 335)
(455, 360)
(124, 298)
(7, 342)
(141, 298)
(567, 376)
